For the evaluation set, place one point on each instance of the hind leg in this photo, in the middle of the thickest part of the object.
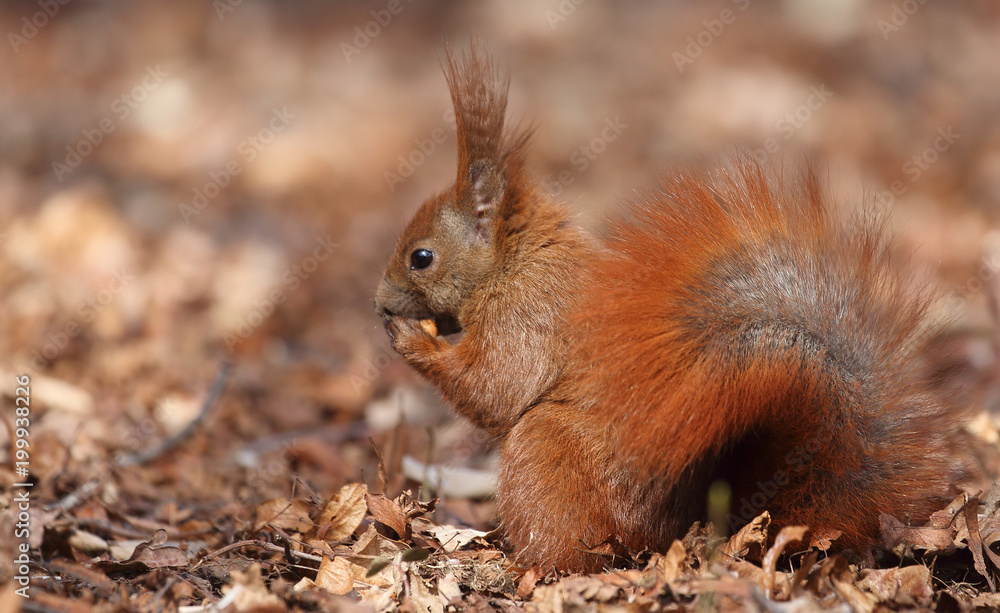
(554, 498)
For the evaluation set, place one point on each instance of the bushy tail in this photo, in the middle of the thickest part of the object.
(789, 349)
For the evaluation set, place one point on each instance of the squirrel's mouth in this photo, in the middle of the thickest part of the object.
(447, 324)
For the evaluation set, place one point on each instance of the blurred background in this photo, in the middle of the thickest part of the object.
(188, 183)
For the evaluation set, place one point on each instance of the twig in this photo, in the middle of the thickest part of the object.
(74, 498)
(336, 433)
(228, 548)
(141, 457)
(255, 543)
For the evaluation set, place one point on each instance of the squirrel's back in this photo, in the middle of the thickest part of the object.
(738, 330)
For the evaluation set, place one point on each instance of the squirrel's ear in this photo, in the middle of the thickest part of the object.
(489, 157)
(484, 190)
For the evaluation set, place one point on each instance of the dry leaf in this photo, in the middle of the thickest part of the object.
(290, 515)
(751, 540)
(452, 539)
(98, 580)
(336, 575)
(788, 535)
(88, 542)
(369, 547)
(150, 554)
(976, 541)
(669, 566)
(425, 596)
(823, 540)
(908, 586)
(388, 513)
(899, 538)
(397, 514)
(448, 587)
(344, 512)
(249, 594)
(526, 585)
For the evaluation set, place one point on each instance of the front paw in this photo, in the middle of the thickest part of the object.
(413, 339)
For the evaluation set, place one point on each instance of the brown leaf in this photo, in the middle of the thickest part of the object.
(373, 544)
(147, 555)
(823, 540)
(397, 514)
(160, 557)
(527, 583)
(976, 541)
(909, 586)
(788, 535)
(898, 537)
(670, 566)
(336, 575)
(414, 508)
(801, 576)
(856, 599)
(98, 580)
(577, 590)
(425, 595)
(751, 540)
(87, 542)
(252, 594)
(452, 539)
(989, 602)
(290, 515)
(343, 513)
(369, 547)
(614, 552)
(388, 513)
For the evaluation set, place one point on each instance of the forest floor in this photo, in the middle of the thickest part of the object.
(196, 200)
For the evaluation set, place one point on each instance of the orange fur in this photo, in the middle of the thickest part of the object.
(728, 328)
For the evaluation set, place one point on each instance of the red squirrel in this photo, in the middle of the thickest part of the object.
(726, 327)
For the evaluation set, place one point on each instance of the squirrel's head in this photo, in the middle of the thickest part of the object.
(457, 239)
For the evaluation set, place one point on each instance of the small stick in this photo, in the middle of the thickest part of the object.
(141, 457)
(254, 543)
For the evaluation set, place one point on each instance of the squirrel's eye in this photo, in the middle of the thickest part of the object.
(421, 258)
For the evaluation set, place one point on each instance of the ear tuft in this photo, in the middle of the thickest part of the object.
(489, 156)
